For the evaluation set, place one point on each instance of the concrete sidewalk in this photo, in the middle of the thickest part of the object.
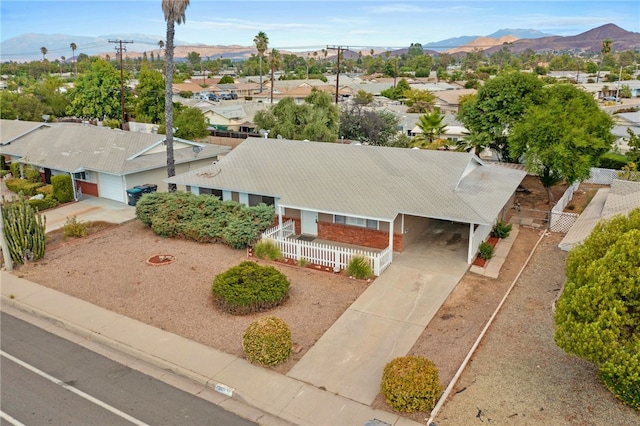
(283, 397)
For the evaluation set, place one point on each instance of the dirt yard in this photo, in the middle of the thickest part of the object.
(109, 268)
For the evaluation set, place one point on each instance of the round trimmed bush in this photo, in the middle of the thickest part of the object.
(249, 288)
(411, 384)
(267, 341)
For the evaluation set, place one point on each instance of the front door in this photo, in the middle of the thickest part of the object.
(309, 223)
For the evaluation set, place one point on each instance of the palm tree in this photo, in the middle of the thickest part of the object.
(73, 55)
(275, 61)
(160, 45)
(174, 12)
(261, 41)
(432, 127)
(44, 51)
(606, 48)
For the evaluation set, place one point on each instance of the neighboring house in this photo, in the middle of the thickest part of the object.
(369, 196)
(449, 100)
(622, 197)
(623, 122)
(224, 117)
(102, 162)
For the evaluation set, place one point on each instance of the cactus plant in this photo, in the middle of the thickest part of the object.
(24, 230)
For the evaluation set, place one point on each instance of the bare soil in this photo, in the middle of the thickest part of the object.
(109, 268)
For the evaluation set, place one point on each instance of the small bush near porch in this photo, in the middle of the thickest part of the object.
(203, 218)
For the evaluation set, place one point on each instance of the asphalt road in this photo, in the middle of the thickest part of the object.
(49, 380)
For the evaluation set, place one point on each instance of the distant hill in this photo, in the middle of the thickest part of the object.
(456, 42)
(589, 41)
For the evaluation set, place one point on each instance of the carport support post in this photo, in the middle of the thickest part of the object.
(391, 236)
(471, 245)
(73, 185)
(279, 222)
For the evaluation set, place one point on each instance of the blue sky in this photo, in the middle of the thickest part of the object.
(313, 24)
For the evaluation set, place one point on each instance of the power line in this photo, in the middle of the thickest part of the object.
(119, 49)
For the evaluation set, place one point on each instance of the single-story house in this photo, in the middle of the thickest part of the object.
(369, 196)
(102, 162)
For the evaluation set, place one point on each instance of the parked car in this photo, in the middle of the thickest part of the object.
(611, 98)
(228, 96)
(213, 97)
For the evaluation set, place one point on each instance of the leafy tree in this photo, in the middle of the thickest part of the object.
(96, 93)
(415, 49)
(261, 41)
(497, 106)
(194, 59)
(275, 62)
(419, 101)
(190, 124)
(396, 92)
(226, 79)
(432, 127)
(317, 119)
(368, 126)
(598, 313)
(150, 100)
(48, 91)
(562, 137)
(634, 147)
(174, 12)
(363, 98)
(44, 52)
(606, 49)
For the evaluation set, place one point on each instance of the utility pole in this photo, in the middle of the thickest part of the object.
(339, 49)
(119, 50)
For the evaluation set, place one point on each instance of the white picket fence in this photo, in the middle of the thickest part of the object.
(335, 257)
(602, 176)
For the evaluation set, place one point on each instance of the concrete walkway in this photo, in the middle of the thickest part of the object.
(384, 322)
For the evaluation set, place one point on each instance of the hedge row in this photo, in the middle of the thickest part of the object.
(203, 218)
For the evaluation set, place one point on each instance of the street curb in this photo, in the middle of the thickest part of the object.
(235, 404)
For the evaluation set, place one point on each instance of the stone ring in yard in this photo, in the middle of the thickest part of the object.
(161, 259)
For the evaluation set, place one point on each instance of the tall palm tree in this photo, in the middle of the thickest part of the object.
(174, 12)
(262, 42)
(606, 49)
(432, 127)
(275, 61)
(73, 47)
(44, 51)
(160, 45)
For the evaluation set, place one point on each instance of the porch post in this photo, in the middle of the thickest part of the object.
(279, 222)
(391, 236)
(471, 245)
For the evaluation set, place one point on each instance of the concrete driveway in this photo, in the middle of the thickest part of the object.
(89, 209)
(387, 319)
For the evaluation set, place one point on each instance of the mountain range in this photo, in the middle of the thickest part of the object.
(27, 46)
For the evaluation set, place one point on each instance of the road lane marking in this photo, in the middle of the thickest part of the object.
(73, 389)
(10, 419)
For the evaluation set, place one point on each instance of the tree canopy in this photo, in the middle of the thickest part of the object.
(316, 120)
(96, 93)
(150, 100)
(598, 313)
(497, 106)
(432, 127)
(367, 125)
(562, 137)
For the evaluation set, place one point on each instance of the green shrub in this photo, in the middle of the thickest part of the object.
(45, 190)
(240, 232)
(303, 262)
(501, 229)
(359, 267)
(74, 228)
(48, 202)
(24, 230)
(62, 188)
(31, 174)
(23, 186)
(267, 249)
(249, 288)
(3, 173)
(613, 160)
(267, 341)
(411, 384)
(486, 250)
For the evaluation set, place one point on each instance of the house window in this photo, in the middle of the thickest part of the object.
(356, 221)
(255, 199)
(81, 176)
(210, 191)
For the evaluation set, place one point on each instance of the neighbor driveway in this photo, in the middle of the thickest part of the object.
(89, 209)
(387, 319)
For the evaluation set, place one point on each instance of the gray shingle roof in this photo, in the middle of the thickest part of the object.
(365, 181)
(12, 129)
(73, 147)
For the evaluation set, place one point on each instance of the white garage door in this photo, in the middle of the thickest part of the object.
(111, 187)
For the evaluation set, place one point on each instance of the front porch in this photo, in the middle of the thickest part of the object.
(326, 253)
